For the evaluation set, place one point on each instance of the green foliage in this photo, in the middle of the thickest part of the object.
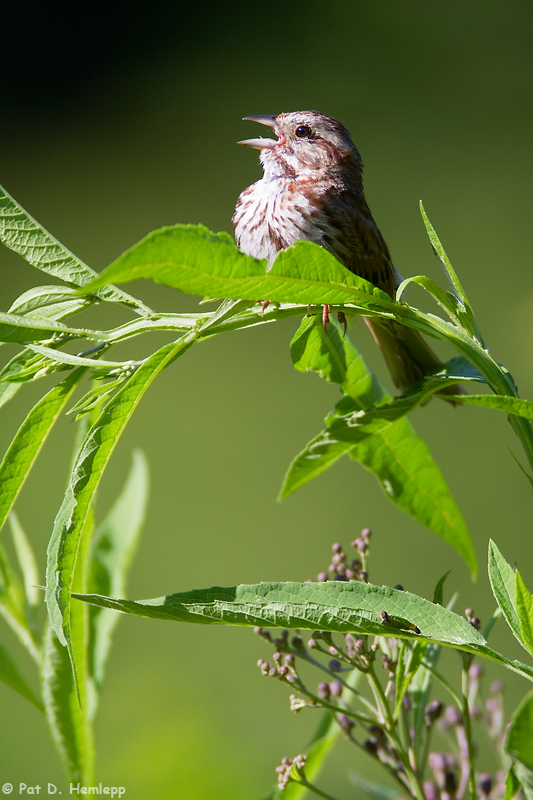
(90, 562)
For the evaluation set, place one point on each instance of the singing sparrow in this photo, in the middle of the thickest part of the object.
(312, 189)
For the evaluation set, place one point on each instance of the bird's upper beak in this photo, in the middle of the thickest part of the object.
(260, 144)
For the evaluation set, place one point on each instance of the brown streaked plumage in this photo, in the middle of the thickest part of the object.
(312, 189)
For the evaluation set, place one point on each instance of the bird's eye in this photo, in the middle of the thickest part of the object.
(303, 131)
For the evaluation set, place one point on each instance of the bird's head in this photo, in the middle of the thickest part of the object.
(307, 141)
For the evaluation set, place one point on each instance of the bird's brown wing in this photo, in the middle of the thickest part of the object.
(355, 240)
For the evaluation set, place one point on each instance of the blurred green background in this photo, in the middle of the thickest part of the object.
(119, 119)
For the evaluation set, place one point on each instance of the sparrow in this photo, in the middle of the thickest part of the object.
(312, 190)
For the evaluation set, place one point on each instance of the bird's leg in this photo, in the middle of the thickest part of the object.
(264, 307)
(325, 316)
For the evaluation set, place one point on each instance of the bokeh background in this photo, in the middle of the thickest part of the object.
(120, 118)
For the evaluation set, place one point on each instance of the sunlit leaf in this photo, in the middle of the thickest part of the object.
(29, 440)
(87, 472)
(345, 607)
(23, 234)
(197, 261)
(390, 449)
(503, 583)
(112, 550)
(70, 727)
(524, 609)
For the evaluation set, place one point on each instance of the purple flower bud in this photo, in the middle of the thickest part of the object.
(363, 576)
(433, 711)
(312, 643)
(452, 716)
(272, 672)
(366, 533)
(450, 782)
(496, 687)
(336, 547)
(476, 670)
(335, 688)
(356, 565)
(346, 723)
(283, 670)
(323, 691)
(350, 574)
(322, 577)
(437, 761)
(431, 790)
(371, 746)
(361, 545)
(335, 665)
(290, 659)
(339, 577)
(485, 783)
(297, 642)
(399, 587)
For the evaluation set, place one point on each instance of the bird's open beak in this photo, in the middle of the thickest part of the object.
(260, 144)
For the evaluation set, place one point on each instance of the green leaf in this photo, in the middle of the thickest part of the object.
(469, 318)
(511, 405)
(439, 295)
(524, 609)
(27, 562)
(58, 357)
(519, 745)
(19, 329)
(21, 233)
(29, 440)
(438, 593)
(112, 550)
(345, 607)
(377, 791)
(87, 472)
(420, 693)
(11, 675)
(512, 785)
(408, 666)
(503, 583)
(71, 729)
(196, 261)
(44, 301)
(390, 449)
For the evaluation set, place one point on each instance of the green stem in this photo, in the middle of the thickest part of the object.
(468, 731)
(313, 788)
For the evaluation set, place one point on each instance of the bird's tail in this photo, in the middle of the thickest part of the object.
(406, 354)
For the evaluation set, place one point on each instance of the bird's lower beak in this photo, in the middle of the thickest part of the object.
(260, 144)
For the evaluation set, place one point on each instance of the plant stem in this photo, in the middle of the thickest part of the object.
(468, 730)
(314, 789)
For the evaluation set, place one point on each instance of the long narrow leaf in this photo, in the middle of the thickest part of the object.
(70, 728)
(452, 275)
(112, 550)
(11, 675)
(503, 584)
(390, 449)
(29, 440)
(87, 472)
(197, 261)
(524, 608)
(349, 607)
(22, 233)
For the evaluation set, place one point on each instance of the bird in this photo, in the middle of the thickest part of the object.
(312, 190)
